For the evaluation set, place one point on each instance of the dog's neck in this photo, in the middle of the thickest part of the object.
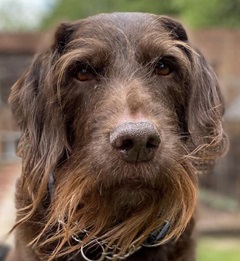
(98, 248)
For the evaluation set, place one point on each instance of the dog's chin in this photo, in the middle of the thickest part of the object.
(131, 196)
(134, 198)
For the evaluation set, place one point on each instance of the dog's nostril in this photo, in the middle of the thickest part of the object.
(153, 142)
(135, 141)
(126, 144)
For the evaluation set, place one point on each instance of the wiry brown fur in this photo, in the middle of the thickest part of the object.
(66, 125)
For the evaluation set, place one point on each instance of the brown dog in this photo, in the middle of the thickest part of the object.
(114, 117)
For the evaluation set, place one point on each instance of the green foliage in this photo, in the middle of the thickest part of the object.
(15, 14)
(195, 13)
(209, 13)
(218, 249)
(76, 9)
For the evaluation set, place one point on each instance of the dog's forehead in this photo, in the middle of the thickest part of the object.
(126, 20)
(132, 25)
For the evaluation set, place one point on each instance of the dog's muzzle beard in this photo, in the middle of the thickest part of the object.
(88, 207)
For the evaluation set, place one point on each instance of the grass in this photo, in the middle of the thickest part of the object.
(218, 249)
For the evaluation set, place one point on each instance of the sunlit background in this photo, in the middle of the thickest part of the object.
(213, 26)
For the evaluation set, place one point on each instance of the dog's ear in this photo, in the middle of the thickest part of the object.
(63, 36)
(38, 114)
(176, 30)
(205, 106)
(35, 105)
(205, 109)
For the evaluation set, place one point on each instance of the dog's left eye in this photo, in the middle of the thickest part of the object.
(85, 73)
(162, 68)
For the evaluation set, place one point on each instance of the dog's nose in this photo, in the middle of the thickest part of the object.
(135, 141)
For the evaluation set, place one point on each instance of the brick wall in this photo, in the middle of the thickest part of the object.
(221, 48)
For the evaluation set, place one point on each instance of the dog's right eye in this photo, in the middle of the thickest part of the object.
(163, 68)
(85, 73)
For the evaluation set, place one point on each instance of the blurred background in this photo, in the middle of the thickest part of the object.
(213, 26)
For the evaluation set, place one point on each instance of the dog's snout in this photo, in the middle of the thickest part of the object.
(135, 141)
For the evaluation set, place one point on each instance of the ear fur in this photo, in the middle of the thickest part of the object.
(205, 110)
(38, 113)
(205, 106)
(63, 36)
(175, 28)
(43, 144)
(35, 106)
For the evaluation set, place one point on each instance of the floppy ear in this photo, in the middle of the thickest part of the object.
(175, 28)
(63, 36)
(36, 107)
(205, 110)
(205, 105)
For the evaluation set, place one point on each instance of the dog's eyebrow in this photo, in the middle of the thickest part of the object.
(85, 54)
(90, 50)
(161, 47)
(160, 44)
(81, 54)
(87, 43)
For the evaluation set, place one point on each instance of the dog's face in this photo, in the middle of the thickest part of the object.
(110, 109)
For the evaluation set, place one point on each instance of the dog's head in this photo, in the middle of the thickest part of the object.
(118, 109)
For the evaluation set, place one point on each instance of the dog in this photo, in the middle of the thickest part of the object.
(116, 116)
